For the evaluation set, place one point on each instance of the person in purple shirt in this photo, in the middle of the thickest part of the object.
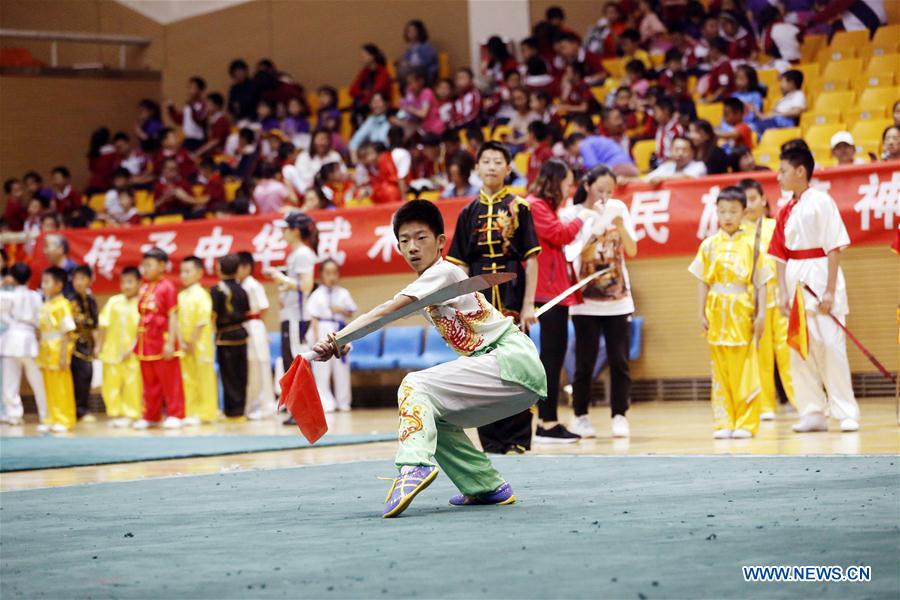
(592, 150)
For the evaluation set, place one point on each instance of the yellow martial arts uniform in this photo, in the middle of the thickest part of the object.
(725, 263)
(773, 347)
(198, 374)
(122, 385)
(56, 324)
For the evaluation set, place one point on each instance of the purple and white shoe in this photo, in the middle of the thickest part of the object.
(411, 481)
(502, 496)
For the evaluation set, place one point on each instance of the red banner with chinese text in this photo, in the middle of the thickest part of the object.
(670, 220)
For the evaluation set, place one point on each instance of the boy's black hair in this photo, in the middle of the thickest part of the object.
(33, 175)
(83, 270)
(542, 96)
(64, 171)
(666, 103)
(495, 146)
(579, 69)
(751, 184)
(673, 54)
(631, 34)
(20, 272)
(636, 66)
(8, 184)
(466, 70)
(794, 76)
(529, 41)
(121, 172)
(247, 135)
(58, 274)
(566, 36)
(121, 136)
(799, 157)
(237, 64)
(732, 193)
(795, 143)
(720, 44)
(199, 82)
(539, 130)
(228, 264)
(573, 139)
(157, 254)
(419, 211)
(245, 259)
(555, 12)
(735, 104)
(164, 132)
(131, 272)
(216, 98)
(582, 120)
(208, 163)
(194, 261)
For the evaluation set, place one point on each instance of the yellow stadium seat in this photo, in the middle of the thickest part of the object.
(810, 73)
(874, 80)
(886, 63)
(829, 53)
(849, 40)
(518, 191)
(395, 94)
(776, 137)
(880, 96)
(614, 66)
(98, 224)
(810, 118)
(658, 59)
(641, 151)
(857, 113)
(833, 101)
(312, 99)
(501, 133)
(443, 65)
(430, 195)
(231, 189)
(344, 99)
(520, 162)
(811, 46)
(842, 69)
(97, 202)
(823, 84)
(710, 112)
(167, 219)
(767, 156)
(391, 69)
(886, 40)
(768, 78)
(143, 201)
(868, 131)
(820, 135)
(823, 156)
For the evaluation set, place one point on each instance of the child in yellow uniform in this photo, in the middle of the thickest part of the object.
(773, 346)
(55, 352)
(198, 372)
(122, 386)
(725, 267)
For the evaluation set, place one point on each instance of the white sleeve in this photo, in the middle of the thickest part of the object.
(261, 298)
(348, 302)
(626, 220)
(834, 233)
(695, 169)
(432, 280)
(304, 262)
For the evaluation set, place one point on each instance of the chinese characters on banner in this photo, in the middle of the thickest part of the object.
(670, 221)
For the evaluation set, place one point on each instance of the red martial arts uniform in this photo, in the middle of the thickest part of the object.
(162, 377)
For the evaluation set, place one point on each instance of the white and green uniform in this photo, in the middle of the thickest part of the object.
(498, 374)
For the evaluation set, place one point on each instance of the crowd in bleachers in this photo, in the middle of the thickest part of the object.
(656, 90)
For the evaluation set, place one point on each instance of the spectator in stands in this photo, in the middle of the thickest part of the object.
(733, 128)
(277, 86)
(668, 127)
(118, 203)
(172, 193)
(686, 46)
(650, 27)
(248, 154)
(843, 149)
(192, 117)
(474, 140)
(133, 160)
(854, 15)
(295, 122)
(748, 91)
(34, 187)
(419, 108)
(67, 201)
(170, 149)
(603, 36)
(709, 31)
(681, 166)
(50, 223)
(780, 39)
(556, 18)
(498, 62)
(636, 78)
(630, 44)
(568, 51)
(895, 112)
(149, 126)
(242, 95)
(890, 143)
(376, 126)
(309, 162)
(719, 82)
(271, 195)
(741, 43)
(706, 147)
(787, 111)
(265, 116)
(420, 55)
(443, 96)
(520, 116)
(684, 101)
(56, 253)
(467, 106)
(459, 173)
(400, 155)
(613, 126)
(102, 161)
(575, 94)
(213, 195)
(537, 75)
(742, 160)
(219, 127)
(528, 48)
(541, 104)
(34, 216)
(372, 78)
(590, 151)
(538, 146)
(673, 63)
(16, 210)
(328, 115)
(383, 181)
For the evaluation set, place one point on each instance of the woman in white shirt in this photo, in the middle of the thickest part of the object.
(607, 305)
(302, 174)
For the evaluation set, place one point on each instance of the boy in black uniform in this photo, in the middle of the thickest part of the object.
(495, 234)
(230, 306)
(84, 311)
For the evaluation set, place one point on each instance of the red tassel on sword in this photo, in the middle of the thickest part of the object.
(852, 337)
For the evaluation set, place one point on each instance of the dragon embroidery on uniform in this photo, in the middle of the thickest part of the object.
(459, 329)
(410, 414)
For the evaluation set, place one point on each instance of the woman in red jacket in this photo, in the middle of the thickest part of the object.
(551, 188)
(372, 78)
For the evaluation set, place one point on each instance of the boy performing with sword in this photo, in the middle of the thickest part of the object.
(497, 374)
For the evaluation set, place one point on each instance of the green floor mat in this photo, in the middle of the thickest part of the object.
(584, 527)
(47, 452)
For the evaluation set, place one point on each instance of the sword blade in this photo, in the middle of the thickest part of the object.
(571, 290)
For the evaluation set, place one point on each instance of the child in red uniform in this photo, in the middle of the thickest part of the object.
(192, 117)
(157, 344)
(467, 106)
(719, 82)
(537, 142)
(733, 129)
(383, 178)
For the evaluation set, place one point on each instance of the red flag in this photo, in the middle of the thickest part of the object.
(798, 336)
(300, 396)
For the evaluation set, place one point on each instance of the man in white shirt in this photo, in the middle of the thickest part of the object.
(843, 149)
(682, 164)
(792, 104)
(260, 396)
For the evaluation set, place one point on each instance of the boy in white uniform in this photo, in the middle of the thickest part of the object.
(330, 307)
(807, 242)
(19, 312)
(260, 396)
(497, 374)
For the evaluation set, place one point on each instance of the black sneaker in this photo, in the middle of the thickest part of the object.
(557, 434)
(290, 421)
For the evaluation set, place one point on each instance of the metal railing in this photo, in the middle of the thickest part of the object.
(55, 37)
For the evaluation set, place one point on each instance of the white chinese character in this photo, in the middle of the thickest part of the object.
(164, 240)
(104, 253)
(385, 243)
(330, 235)
(880, 198)
(269, 246)
(649, 209)
(213, 246)
(709, 220)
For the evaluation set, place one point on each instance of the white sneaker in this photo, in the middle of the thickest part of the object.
(124, 422)
(722, 434)
(172, 423)
(810, 423)
(767, 416)
(141, 424)
(849, 425)
(582, 426)
(43, 428)
(254, 415)
(620, 428)
(14, 421)
(59, 428)
(343, 408)
(187, 422)
(741, 434)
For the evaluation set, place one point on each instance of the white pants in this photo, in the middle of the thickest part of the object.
(822, 381)
(338, 372)
(260, 395)
(12, 379)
